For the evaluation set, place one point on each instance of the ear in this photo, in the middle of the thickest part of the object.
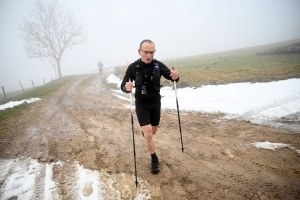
(139, 51)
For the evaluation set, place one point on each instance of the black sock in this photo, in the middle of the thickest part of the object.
(154, 157)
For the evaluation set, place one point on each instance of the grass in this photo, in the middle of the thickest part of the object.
(235, 68)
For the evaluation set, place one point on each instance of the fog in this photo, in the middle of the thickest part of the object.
(114, 30)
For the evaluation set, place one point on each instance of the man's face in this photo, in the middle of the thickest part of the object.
(147, 52)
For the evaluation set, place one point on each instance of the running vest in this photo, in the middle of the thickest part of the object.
(140, 82)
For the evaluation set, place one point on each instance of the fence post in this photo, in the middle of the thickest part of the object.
(4, 93)
(44, 80)
(21, 86)
(32, 83)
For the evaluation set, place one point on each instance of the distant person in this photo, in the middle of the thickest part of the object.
(100, 65)
(146, 73)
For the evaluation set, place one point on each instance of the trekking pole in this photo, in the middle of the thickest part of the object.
(178, 114)
(136, 182)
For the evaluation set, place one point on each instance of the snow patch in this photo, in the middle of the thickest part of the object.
(16, 103)
(273, 146)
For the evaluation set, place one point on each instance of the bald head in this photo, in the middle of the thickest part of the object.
(147, 41)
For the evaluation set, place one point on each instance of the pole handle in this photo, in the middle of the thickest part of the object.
(174, 82)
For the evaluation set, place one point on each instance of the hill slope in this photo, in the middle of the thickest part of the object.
(234, 66)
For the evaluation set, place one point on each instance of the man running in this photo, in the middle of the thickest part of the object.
(100, 65)
(146, 73)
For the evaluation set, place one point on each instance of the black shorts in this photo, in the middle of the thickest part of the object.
(148, 113)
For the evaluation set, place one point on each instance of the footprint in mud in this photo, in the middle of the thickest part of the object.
(87, 189)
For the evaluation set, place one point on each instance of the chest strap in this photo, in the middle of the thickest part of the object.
(155, 76)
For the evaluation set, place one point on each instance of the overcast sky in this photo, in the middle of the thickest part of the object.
(115, 28)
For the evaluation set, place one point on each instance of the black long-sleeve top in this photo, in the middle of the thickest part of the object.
(146, 69)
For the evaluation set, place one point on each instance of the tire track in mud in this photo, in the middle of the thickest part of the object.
(39, 186)
(66, 179)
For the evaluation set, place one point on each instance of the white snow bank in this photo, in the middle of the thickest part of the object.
(267, 103)
(16, 103)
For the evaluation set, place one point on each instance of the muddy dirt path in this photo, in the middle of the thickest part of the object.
(85, 123)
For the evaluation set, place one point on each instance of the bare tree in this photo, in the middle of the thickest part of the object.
(49, 30)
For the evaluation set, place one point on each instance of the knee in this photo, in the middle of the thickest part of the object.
(148, 134)
(148, 138)
(154, 130)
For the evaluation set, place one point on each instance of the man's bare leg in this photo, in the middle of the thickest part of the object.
(149, 131)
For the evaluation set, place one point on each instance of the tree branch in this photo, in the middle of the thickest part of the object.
(49, 31)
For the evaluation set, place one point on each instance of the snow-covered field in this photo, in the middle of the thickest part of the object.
(271, 103)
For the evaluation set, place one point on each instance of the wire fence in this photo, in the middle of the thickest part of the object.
(20, 87)
(24, 86)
